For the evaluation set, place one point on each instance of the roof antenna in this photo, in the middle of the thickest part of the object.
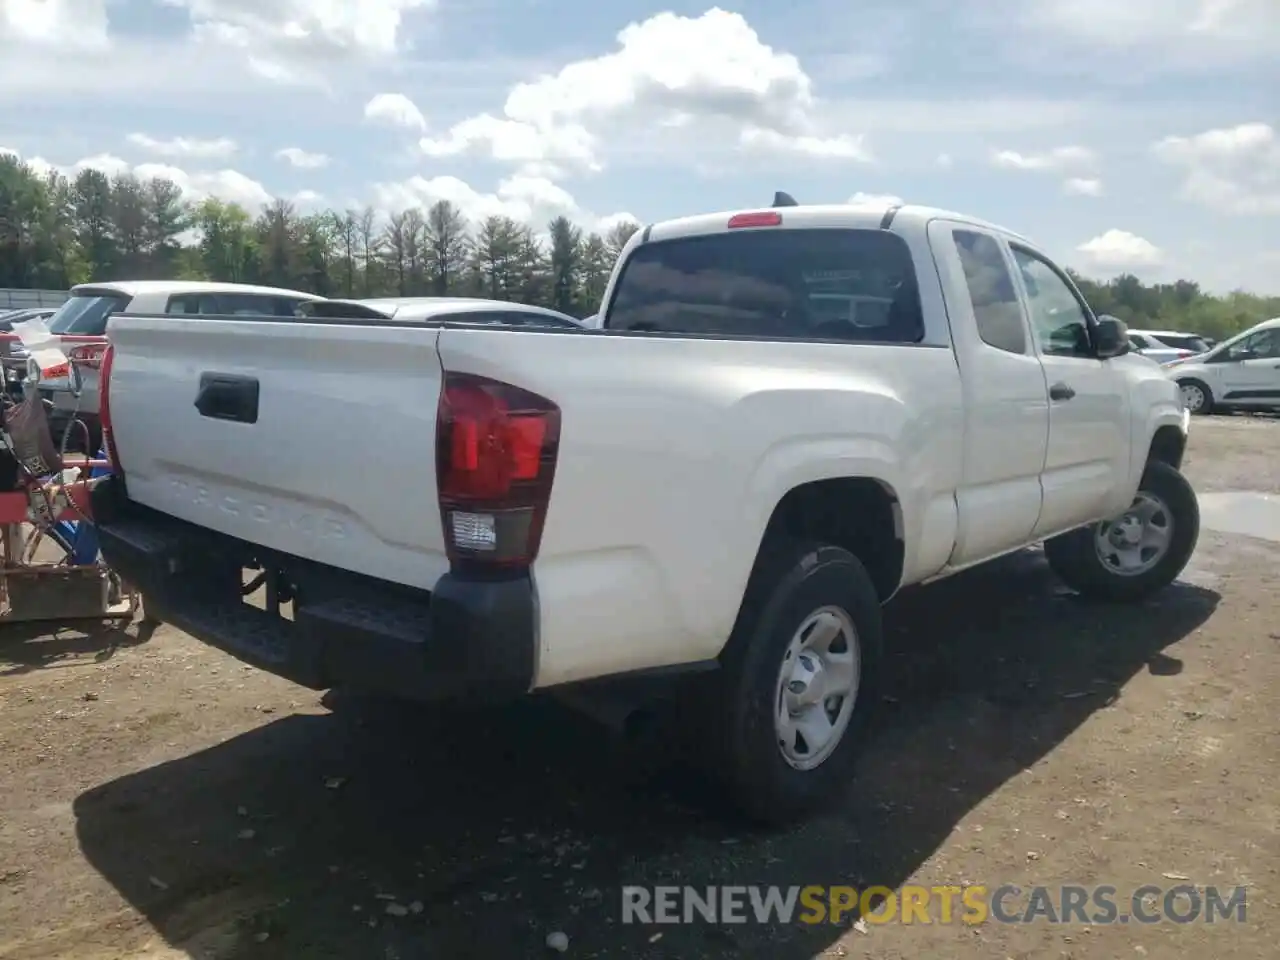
(781, 199)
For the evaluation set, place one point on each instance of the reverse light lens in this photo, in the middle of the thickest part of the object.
(474, 531)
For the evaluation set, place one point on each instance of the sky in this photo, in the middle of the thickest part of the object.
(1134, 136)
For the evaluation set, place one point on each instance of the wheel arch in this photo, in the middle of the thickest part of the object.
(861, 514)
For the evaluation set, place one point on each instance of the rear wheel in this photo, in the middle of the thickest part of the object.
(1141, 551)
(799, 679)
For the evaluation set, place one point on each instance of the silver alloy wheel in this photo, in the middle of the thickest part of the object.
(1138, 540)
(817, 688)
(1192, 397)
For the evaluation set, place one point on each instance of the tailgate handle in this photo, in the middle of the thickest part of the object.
(225, 396)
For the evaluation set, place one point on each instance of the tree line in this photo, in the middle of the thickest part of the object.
(57, 231)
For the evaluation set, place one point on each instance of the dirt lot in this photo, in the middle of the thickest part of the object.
(162, 800)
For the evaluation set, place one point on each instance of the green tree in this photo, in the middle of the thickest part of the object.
(56, 232)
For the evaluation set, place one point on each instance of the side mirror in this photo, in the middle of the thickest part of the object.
(1112, 338)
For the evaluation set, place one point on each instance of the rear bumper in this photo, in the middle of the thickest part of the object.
(467, 638)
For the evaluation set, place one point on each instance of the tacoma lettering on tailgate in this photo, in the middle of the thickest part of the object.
(308, 523)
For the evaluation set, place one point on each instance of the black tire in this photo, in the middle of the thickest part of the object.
(791, 581)
(1075, 559)
(1207, 406)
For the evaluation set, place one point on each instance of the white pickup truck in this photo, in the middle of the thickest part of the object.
(724, 477)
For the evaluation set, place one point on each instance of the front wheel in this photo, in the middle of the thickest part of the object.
(799, 677)
(1196, 396)
(1138, 553)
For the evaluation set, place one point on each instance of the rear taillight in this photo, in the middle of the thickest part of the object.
(107, 357)
(496, 448)
(88, 355)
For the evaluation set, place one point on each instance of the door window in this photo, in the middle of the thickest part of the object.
(996, 310)
(1058, 318)
(1263, 345)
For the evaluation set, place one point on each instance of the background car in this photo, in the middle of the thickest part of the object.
(91, 305)
(9, 317)
(1242, 372)
(1165, 345)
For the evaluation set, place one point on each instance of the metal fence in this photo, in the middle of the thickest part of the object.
(12, 299)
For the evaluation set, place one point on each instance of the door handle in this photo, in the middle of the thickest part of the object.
(224, 396)
(1060, 391)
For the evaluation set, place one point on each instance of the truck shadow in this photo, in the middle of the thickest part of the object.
(402, 833)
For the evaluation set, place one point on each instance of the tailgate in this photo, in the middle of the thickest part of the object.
(315, 439)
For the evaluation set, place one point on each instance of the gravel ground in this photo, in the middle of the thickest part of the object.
(162, 800)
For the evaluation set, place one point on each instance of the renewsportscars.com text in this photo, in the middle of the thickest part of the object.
(970, 905)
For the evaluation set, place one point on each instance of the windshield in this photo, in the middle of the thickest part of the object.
(86, 315)
(805, 284)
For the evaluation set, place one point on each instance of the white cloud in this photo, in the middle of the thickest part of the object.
(1172, 29)
(531, 200)
(395, 109)
(371, 27)
(219, 149)
(513, 141)
(1060, 160)
(62, 25)
(301, 159)
(1233, 170)
(875, 200)
(706, 75)
(1057, 160)
(105, 162)
(838, 147)
(1120, 250)
(944, 160)
(1082, 187)
(229, 185)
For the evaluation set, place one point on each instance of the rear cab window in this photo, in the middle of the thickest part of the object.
(85, 314)
(234, 305)
(837, 284)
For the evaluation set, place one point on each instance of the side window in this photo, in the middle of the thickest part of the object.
(1269, 347)
(995, 303)
(190, 303)
(1139, 343)
(286, 307)
(1058, 318)
(1263, 345)
(249, 305)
